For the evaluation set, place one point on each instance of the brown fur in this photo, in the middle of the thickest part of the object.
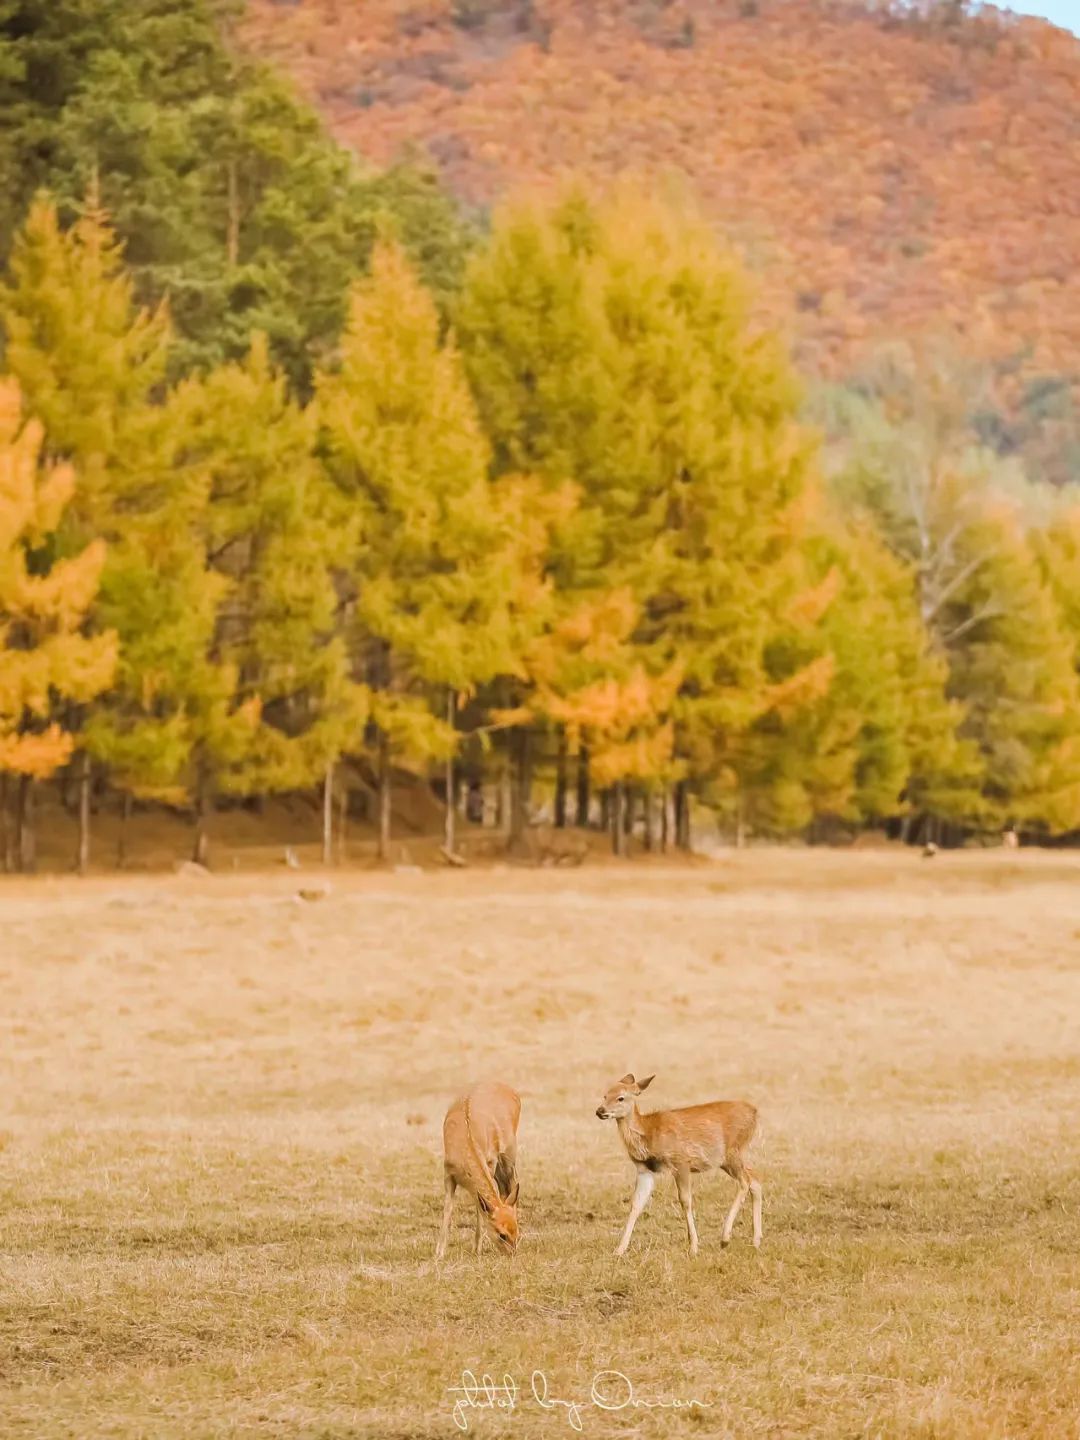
(480, 1155)
(684, 1142)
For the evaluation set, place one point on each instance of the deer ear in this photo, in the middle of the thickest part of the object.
(644, 1084)
(512, 1198)
(628, 1080)
(484, 1203)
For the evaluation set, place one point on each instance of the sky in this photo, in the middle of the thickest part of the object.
(1062, 12)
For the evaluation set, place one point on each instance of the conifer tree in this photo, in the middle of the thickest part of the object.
(610, 345)
(1012, 661)
(951, 514)
(880, 737)
(232, 202)
(445, 574)
(47, 660)
(285, 708)
(92, 367)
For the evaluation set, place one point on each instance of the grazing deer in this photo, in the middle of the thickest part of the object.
(687, 1141)
(480, 1155)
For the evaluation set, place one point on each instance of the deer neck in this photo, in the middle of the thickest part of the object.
(633, 1135)
(485, 1177)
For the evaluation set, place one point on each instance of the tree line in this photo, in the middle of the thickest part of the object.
(303, 467)
(578, 533)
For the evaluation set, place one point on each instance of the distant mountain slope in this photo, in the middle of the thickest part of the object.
(883, 173)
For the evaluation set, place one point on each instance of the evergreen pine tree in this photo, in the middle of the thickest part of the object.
(231, 200)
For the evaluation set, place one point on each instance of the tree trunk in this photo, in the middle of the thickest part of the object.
(25, 839)
(649, 818)
(522, 784)
(328, 816)
(7, 854)
(665, 820)
(740, 824)
(201, 850)
(450, 828)
(605, 810)
(618, 819)
(583, 787)
(682, 816)
(82, 858)
(560, 783)
(502, 797)
(343, 815)
(121, 843)
(385, 796)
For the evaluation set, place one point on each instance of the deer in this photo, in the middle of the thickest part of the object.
(480, 1155)
(686, 1142)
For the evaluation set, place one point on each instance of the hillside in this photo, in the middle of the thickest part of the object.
(882, 174)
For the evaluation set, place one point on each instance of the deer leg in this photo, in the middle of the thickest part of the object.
(755, 1191)
(741, 1176)
(682, 1184)
(479, 1228)
(447, 1214)
(644, 1188)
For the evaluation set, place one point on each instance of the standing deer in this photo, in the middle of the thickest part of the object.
(687, 1141)
(480, 1155)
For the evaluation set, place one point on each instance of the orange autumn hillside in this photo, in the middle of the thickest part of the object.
(882, 173)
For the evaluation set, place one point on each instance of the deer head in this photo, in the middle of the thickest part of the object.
(620, 1099)
(502, 1221)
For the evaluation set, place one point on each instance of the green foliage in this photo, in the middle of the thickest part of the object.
(89, 361)
(601, 513)
(881, 737)
(609, 346)
(1012, 661)
(91, 366)
(444, 579)
(951, 514)
(286, 706)
(230, 200)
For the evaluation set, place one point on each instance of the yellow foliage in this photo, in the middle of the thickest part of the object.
(37, 755)
(803, 688)
(808, 607)
(43, 654)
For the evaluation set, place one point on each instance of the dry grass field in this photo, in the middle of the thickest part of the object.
(219, 1149)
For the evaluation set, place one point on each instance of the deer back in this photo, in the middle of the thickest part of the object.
(699, 1136)
(479, 1127)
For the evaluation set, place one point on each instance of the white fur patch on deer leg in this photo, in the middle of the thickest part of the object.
(644, 1188)
(733, 1213)
(755, 1191)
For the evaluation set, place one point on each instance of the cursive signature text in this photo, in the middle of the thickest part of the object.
(610, 1390)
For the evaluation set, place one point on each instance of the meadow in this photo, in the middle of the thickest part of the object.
(220, 1175)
